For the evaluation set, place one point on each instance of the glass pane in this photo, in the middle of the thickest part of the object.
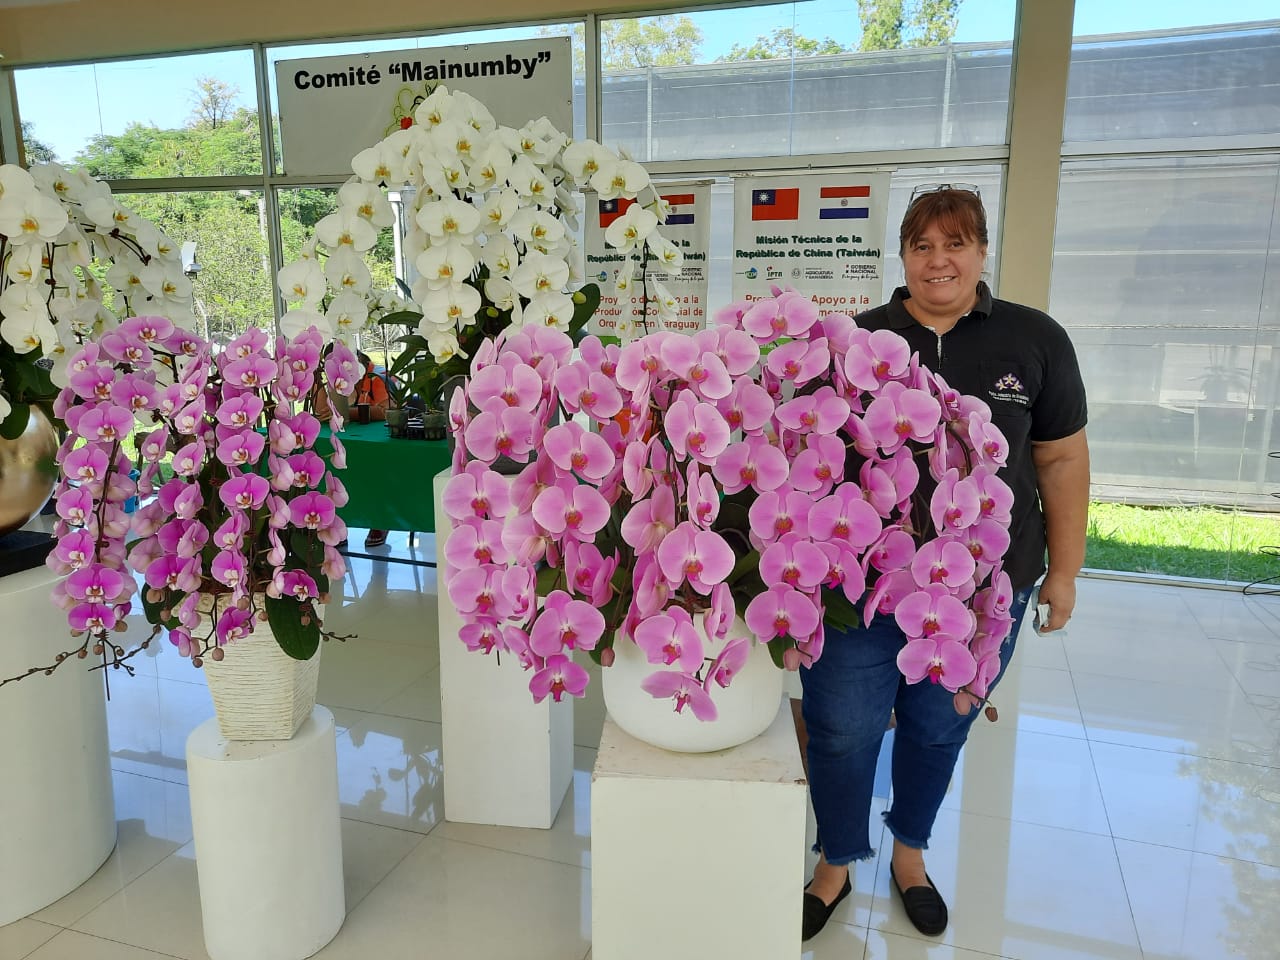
(232, 285)
(342, 48)
(1165, 272)
(1168, 76)
(801, 78)
(199, 115)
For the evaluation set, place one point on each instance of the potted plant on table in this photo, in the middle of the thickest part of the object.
(73, 261)
(725, 504)
(237, 538)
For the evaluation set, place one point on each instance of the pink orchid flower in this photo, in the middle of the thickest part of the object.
(649, 520)
(477, 492)
(476, 542)
(719, 616)
(477, 592)
(843, 570)
(737, 349)
(481, 636)
(748, 407)
(189, 459)
(245, 492)
(573, 449)
(571, 509)
(819, 412)
(888, 592)
(778, 512)
(508, 433)
(670, 638)
(189, 502)
(934, 612)
(311, 511)
(307, 469)
(296, 584)
(846, 517)
(228, 568)
(820, 466)
(995, 499)
(637, 478)
(696, 429)
(684, 689)
(943, 661)
(789, 315)
(793, 561)
(901, 414)
(781, 611)
(240, 412)
(987, 439)
(241, 449)
(651, 588)
(506, 384)
(881, 357)
(73, 551)
(753, 462)
(700, 557)
(86, 464)
(590, 573)
(558, 676)
(584, 389)
(640, 363)
(703, 499)
(230, 533)
(565, 624)
(134, 392)
(987, 541)
(727, 665)
(153, 447)
(944, 560)
(174, 573)
(96, 583)
(955, 504)
(233, 624)
(799, 361)
(250, 372)
(91, 617)
(701, 369)
(75, 505)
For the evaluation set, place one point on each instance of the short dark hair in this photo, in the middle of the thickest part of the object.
(956, 212)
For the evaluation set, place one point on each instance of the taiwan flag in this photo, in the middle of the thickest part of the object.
(837, 203)
(611, 210)
(781, 204)
(681, 214)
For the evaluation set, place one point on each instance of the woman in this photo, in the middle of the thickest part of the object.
(1022, 364)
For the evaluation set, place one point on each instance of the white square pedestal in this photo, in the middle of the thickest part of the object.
(698, 855)
(268, 841)
(507, 760)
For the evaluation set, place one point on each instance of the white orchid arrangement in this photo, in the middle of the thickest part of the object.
(491, 214)
(73, 262)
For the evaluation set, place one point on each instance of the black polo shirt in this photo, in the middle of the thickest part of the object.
(1021, 362)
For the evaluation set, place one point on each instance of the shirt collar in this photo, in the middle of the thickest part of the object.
(901, 319)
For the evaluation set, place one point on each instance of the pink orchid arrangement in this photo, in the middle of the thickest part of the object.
(238, 520)
(796, 469)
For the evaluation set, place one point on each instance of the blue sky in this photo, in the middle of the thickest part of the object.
(44, 95)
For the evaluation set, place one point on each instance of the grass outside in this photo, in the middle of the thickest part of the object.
(1201, 542)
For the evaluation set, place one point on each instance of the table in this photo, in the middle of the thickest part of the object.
(388, 480)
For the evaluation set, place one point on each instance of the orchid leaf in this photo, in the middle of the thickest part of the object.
(16, 422)
(299, 640)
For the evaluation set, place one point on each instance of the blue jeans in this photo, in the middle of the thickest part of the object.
(848, 697)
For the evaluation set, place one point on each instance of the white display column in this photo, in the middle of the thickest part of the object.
(698, 855)
(507, 760)
(57, 811)
(268, 841)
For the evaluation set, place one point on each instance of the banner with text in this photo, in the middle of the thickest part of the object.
(688, 226)
(819, 233)
(331, 108)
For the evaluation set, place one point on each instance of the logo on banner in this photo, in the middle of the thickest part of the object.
(681, 209)
(783, 204)
(611, 210)
(836, 203)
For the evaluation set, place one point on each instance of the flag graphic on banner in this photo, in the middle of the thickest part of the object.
(681, 209)
(836, 203)
(611, 210)
(783, 204)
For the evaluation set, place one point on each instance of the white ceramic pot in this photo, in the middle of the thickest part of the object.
(259, 691)
(746, 707)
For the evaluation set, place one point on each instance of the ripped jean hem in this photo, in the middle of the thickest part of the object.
(904, 840)
(866, 854)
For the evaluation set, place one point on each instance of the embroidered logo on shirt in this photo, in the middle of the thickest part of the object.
(1010, 388)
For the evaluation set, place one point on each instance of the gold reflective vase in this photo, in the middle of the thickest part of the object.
(27, 472)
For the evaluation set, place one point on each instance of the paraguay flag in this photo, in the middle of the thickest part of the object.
(838, 203)
(783, 204)
(611, 210)
(681, 209)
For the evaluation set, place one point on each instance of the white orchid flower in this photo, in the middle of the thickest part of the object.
(551, 309)
(492, 166)
(20, 296)
(165, 281)
(297, 320)
(15, 180)
(630, 230)
(449, 219)
(302, 281)
(668, 306)
(26, 330)
(368, 201)
(501, 293)
(345, 270)
(626, 274)
(443, 345)
(108, 215)
(76, 248)
(470, 111)
(454, 139)
(499, 208)
(583, 159)
(445, 263)
(25, 263)
(52, 178)
(536, 227)
(27, 216)
(348, 313)
(384, 162)
(500, 255)
(539, 273)
(452, 307)
(346, 228)
(667, 253)
(435, 109)
(531, 182)
(626, 176)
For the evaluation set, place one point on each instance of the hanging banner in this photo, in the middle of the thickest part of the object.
(331, 108)
(820, 233)
(688, 226)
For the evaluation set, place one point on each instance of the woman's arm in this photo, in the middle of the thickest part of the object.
(1062, 474)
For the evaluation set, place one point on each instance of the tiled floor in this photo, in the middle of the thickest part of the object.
(1126, 804)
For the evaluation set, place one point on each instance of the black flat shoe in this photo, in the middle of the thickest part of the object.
(925, 907)
(817, 913)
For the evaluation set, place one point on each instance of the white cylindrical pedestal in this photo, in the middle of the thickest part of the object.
(57, 812)
(507, 760)
(268, 841)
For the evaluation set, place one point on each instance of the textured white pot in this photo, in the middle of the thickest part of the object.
(746, 707)
(259, 691)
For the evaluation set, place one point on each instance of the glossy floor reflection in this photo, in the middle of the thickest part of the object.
(1126, 804)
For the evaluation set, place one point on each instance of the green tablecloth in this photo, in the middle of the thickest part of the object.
(388, 481)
